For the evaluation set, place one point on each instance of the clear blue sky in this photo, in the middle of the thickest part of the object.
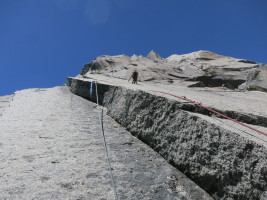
(44, 41)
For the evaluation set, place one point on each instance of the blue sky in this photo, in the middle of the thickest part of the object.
(44, 41)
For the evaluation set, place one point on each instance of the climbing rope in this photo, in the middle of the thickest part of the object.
(104, 140)
(216, 112)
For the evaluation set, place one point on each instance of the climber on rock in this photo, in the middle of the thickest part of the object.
(134, 76)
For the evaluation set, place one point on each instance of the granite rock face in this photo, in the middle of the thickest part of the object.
(51, 148)
(222, 162)
(200, 69)
(226, 161)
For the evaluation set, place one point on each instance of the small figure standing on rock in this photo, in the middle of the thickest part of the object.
(134, 76)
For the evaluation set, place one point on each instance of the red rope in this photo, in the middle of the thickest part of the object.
(199, 104)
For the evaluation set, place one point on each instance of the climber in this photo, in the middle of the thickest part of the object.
(134, 76)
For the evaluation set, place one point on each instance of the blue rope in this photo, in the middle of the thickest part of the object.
(104, 141)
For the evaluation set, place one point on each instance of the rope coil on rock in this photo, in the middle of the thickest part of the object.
(116, 196)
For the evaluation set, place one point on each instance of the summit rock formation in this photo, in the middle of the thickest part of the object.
(197, 69)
